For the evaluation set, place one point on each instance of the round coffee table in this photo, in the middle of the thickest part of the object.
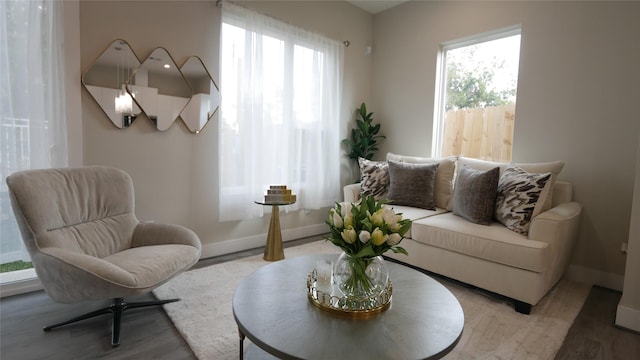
(271, 308)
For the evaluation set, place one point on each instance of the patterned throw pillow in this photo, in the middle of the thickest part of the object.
(554, 167)
(412, 184)
(474, 196)
(374, 178)
(518, 194)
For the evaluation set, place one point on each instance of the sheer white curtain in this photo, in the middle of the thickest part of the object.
(280, 113)
(32, 103)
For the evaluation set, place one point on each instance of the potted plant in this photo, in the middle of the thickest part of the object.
(364, 137)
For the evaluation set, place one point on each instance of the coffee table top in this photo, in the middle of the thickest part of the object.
(271, 308)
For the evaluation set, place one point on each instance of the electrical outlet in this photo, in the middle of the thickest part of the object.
(623, 248)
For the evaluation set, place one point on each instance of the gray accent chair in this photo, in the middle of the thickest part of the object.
(85, 242)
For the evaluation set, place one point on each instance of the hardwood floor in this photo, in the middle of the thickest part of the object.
(593, 334)
(149, 334)
(145, 333)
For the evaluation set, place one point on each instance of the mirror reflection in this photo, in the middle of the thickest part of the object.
(159, 88)
(205, 99)
(106, 82)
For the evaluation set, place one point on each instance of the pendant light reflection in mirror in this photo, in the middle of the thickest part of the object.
(106, 81)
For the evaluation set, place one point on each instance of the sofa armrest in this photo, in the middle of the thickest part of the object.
(352, 193)
(557, 227)
(568, 211)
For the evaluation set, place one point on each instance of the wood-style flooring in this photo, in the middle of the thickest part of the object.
(593, 334)
(149, 333)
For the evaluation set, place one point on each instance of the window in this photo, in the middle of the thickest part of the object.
(32, 98)
(280, 88)
(476, 96)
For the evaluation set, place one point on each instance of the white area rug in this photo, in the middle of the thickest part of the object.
(492, 330)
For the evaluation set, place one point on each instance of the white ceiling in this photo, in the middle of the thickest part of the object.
(375, 6)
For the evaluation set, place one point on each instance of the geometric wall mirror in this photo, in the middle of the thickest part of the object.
(205, 98)
(159, 88)
(106, 81)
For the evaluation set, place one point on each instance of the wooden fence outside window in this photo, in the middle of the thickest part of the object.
(482, 133)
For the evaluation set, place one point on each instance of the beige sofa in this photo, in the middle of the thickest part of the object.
(523, 267)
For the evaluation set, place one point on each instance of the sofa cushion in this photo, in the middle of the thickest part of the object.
(562, 192)
(494, 243)
(554, 167)
(413, 213)
(412, 184)
(474, 196)
(518, 197)
(374, 178)
(443, 188)
(479, 164)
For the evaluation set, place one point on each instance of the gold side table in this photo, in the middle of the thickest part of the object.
(273, 250)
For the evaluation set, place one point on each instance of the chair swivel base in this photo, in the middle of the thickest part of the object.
(117, 307)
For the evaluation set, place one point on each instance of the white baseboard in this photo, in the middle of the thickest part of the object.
(628, 318)
(595, 277)
(20, 287)
(252, 242)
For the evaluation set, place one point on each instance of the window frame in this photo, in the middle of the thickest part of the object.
(440, 93)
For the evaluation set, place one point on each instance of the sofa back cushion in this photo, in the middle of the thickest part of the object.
(443, 186)
(562, 192)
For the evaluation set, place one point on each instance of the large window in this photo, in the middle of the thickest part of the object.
(32, 102)
(476, 96)
(280, 88)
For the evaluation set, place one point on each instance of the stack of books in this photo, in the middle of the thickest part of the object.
(279, 194)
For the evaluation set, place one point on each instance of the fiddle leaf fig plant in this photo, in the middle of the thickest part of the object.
(364, 137)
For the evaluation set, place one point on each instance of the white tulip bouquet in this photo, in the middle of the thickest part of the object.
(364, 231)
(368, 228)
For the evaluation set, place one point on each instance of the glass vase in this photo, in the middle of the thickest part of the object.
(360, 278)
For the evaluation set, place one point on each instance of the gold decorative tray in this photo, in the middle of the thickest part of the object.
(335, 302)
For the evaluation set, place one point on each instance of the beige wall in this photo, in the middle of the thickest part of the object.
(577, 100)
(176, 172)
